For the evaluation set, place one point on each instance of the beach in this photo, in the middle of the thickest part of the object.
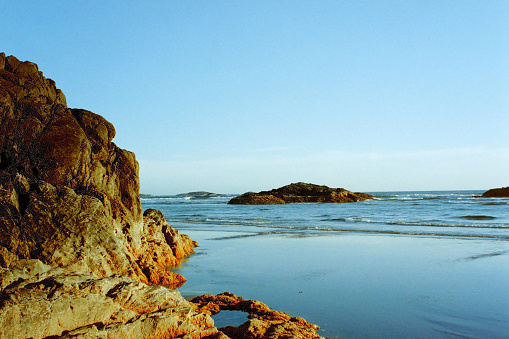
(351, 285)
(404, 264)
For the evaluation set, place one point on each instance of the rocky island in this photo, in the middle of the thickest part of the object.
(502, 192)
(78, 257)
(297, 193)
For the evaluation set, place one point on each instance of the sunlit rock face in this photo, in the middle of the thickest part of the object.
(262, 322)
(68, 195)
(38, 301)
(78, 258)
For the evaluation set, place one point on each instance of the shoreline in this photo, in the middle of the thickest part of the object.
(343, 282)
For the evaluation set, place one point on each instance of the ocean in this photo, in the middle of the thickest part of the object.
(404, 264)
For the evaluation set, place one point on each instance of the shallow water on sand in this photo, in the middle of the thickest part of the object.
(363, 285)
(451, 282)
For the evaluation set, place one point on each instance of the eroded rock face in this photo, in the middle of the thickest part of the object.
(68, 195)
(38, 301)
(496, 193)
(78, 259)
(263, 322)
(162, 247)
(299, 192)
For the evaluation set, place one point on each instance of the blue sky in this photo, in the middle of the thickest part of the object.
(235, 96)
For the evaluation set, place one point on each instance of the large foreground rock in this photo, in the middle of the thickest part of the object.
(496, 193)
(38, 301)
(299, 192)
(78, 258)
(68, 195)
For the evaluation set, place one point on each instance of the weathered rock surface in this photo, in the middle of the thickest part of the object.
(162, 247)
(68, 195)
(262, 323)
(299, 192)
(38, 301)
(78, 259)
(496, 193)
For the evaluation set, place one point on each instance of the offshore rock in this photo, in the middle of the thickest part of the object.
(496, 193)
(299, 192)
(261, 198)
(38, 301)
(263, 322)
(68, 195)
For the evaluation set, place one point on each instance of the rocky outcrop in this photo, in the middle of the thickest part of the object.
(38, 301)
(162, 247)
(68, 195)
(78, 259)
(262, 321)
(299, 192)
(496, 193)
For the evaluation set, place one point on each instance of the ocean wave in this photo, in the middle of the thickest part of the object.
(408, 198)
(162, 200)
(427, 224)
(175, 199)
(416, 228)
(202, 195)
(452, 197)
(280, 222)
(228, 221)
(293, 230)
(422, 213)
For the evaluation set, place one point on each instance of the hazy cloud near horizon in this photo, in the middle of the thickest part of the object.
(353, 171)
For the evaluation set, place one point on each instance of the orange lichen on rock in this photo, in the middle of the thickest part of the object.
(162, 247)
(262, 323)
(38, 301)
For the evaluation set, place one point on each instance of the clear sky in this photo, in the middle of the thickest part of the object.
(235, 96)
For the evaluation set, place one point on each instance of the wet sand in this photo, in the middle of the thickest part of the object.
(361, 285)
